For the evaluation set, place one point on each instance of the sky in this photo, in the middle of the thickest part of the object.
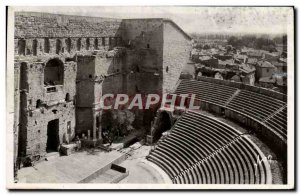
(267, 20)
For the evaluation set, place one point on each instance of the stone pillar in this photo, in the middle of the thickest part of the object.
(94, 124)
(99, 125)
(89, 134)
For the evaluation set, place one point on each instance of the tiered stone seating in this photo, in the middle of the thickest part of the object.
(205, 91)
(196, 137)
(268, 111)
(261, 108)
(278, 121)
(255, 105)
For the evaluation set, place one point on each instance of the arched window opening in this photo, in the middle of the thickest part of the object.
(54, 72)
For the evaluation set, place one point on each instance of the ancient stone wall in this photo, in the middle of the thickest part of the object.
(38, 34)
(39, 105)
(176, 52)
(40, 25)
(99, 56)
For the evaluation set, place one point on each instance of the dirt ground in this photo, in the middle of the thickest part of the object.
(139, 171)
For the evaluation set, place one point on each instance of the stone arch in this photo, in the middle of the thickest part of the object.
(54, 72)
(161, 124)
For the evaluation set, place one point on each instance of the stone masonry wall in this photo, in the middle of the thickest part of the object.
(176, 55)
(40, 25)
(39, 106)
(39, 34)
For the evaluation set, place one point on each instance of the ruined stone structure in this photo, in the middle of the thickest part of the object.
(64, 64)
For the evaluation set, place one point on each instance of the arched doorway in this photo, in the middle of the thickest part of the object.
(52, 136)
(163, 124)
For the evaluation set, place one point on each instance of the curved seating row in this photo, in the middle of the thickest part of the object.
(262, 108)
(256, 105)
(266, 110)
(205, 91)
(203, 150)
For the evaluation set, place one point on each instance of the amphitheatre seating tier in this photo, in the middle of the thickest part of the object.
(266, 110)
(205, 91)
(203, 150)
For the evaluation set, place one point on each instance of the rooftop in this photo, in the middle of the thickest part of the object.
(265, 64)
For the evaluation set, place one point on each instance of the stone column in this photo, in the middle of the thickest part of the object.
(99, 127)
(94, 124)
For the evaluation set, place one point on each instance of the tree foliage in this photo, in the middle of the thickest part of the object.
(254, 42)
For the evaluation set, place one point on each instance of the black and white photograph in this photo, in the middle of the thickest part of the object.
(150, 97)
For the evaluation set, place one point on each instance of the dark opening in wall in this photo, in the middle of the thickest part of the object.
(54, 111)
(34, 47)
(52, 135)
(90, 76)
(46, 45)
(51, 89)
(54, 72)
(21, 45)
(96, 44)
(137, 89)
(87, 45)
(164, 124)
(38, 103)
(148, 46)
(103, 41)
(167, 69)
(137, 68)
(28, 52)
(68, 44)
(58, 46)
(67, 99)
(69, 127)
(78, 45)
(23, 76)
